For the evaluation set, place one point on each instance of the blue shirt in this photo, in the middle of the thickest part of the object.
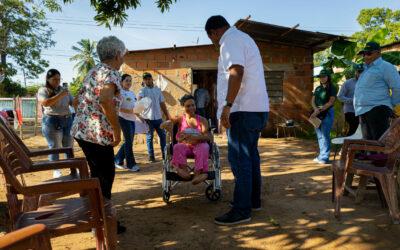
(373, 87)
(346, 95)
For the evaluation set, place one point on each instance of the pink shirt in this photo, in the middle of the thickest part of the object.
(186, 129)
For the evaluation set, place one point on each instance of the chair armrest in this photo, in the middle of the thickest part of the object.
(35, 236)
(357, 147)
(78, 163)
(362, 142)
(69, 151)
(74, 186)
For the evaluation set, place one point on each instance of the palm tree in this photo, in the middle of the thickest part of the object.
(86, 57)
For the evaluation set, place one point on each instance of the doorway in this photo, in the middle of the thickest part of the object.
(208, 79)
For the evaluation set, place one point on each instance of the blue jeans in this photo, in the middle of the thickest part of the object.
(244, 159)
(57, 132)
(126, 151)
(155, 124)
(323, 135)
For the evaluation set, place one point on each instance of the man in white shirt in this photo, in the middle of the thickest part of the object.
(243, 108)
(153, 114)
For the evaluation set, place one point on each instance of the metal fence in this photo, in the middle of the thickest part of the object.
(28, 106)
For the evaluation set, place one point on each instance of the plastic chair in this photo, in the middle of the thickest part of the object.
(389, 144)
(339, 141)
(31, 237)
(62, 217)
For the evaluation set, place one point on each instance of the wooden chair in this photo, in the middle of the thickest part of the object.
(32, 237)
(43, 152)
(389, 144)
(31, 203)
(64, 216)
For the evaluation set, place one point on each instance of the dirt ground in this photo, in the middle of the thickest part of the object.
(296, 194)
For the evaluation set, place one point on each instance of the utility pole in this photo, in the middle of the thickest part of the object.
(23, 71)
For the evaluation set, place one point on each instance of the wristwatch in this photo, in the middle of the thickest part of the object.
(227, 104)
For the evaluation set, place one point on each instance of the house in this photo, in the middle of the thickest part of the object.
(395, 46)
(287, 55)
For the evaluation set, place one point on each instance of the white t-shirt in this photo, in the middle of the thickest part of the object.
(128, 99)
(238, 48)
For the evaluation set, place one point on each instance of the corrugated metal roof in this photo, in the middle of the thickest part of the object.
(265, 32)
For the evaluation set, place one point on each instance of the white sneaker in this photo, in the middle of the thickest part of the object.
(134, 169)
(57, 173)
(320, 161)
(119, 166)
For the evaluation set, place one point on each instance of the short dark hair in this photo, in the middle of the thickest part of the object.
(216, 22)
(186, 98)
(125, 76)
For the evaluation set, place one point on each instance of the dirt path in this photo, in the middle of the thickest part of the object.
(296, 194)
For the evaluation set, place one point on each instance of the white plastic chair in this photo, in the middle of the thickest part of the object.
(337, 141)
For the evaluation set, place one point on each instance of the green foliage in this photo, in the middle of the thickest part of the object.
(9, 88)
(87, 57)
(24, 33)
(32, 90)
(321, 57)
(74, 86)
(111, 12)
(372, 21)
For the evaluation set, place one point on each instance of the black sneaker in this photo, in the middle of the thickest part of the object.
(151, 159)
(254, 209)
(231, 218)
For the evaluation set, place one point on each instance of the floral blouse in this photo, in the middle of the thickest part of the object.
(90, 123)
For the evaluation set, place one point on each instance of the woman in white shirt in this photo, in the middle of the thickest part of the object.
(127, 122)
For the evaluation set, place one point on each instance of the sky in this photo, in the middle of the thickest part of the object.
(183, 25)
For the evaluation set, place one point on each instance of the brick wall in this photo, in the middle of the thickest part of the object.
(176, 64)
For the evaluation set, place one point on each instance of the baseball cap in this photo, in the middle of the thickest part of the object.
(146, 74)
(370, 46)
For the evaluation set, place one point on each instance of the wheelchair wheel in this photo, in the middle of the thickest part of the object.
(166, 196)
(212, 195)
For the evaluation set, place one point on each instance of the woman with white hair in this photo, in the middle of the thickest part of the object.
(96, 127)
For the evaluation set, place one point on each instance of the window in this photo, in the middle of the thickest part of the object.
(274, 82)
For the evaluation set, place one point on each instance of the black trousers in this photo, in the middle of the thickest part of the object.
(353, 122)
(101, 163)
(375, 122)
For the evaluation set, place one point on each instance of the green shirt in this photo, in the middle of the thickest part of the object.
(320, 94)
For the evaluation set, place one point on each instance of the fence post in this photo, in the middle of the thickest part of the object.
(36, 115)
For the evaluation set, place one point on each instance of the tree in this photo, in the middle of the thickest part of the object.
(24, 33)
(110, 12)
(87, 57)
(371, 20)
(74, 86)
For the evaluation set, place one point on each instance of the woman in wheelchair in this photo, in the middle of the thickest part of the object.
(192, 137)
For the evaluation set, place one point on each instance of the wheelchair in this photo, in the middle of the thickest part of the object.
(170, 179)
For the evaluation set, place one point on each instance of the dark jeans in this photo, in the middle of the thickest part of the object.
(101, 163)
(202, 112)
(155, 124)
(353, 122)
(126, 151)
(375, 122)
(244, 159)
